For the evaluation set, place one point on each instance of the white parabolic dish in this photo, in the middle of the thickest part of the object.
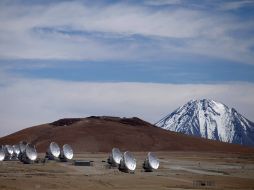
(2, 154)
(31, 152)
(22, 146)
(116, 155)
(54, 149)
(153, 161)
(16, 149)
(67, 151)
(9, 149)
(129, 161)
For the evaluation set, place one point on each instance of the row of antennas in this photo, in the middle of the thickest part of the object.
(23, 151)
(127, 163)
(54, 152)
(27, 153)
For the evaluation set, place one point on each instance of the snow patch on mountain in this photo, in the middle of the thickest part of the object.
(212, 120)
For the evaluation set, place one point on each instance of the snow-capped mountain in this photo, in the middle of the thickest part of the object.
(212, 120)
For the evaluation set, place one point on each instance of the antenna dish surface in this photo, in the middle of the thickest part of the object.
(54, 149)
(116, 155)
(2, 154)
(31, 152)
(9, 149)
(16, 149)
(22, 146)
(129, 161)
(67, 152)
(153, 161)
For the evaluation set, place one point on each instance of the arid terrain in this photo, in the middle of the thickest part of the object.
(178, 170)
(100, 134)
(186, 162)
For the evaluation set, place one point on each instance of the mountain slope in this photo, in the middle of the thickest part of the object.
(211, 120)
(100, 134)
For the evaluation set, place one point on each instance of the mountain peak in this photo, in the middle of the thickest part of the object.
(210, 119)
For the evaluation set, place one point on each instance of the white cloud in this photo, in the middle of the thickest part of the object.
(27, 102)
(203, 32)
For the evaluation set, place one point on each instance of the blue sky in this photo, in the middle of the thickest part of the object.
(206, 45)
(179, 71)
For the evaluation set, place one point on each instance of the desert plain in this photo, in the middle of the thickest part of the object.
(178, 170)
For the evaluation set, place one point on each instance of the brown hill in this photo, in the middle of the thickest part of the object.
(100, 134)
